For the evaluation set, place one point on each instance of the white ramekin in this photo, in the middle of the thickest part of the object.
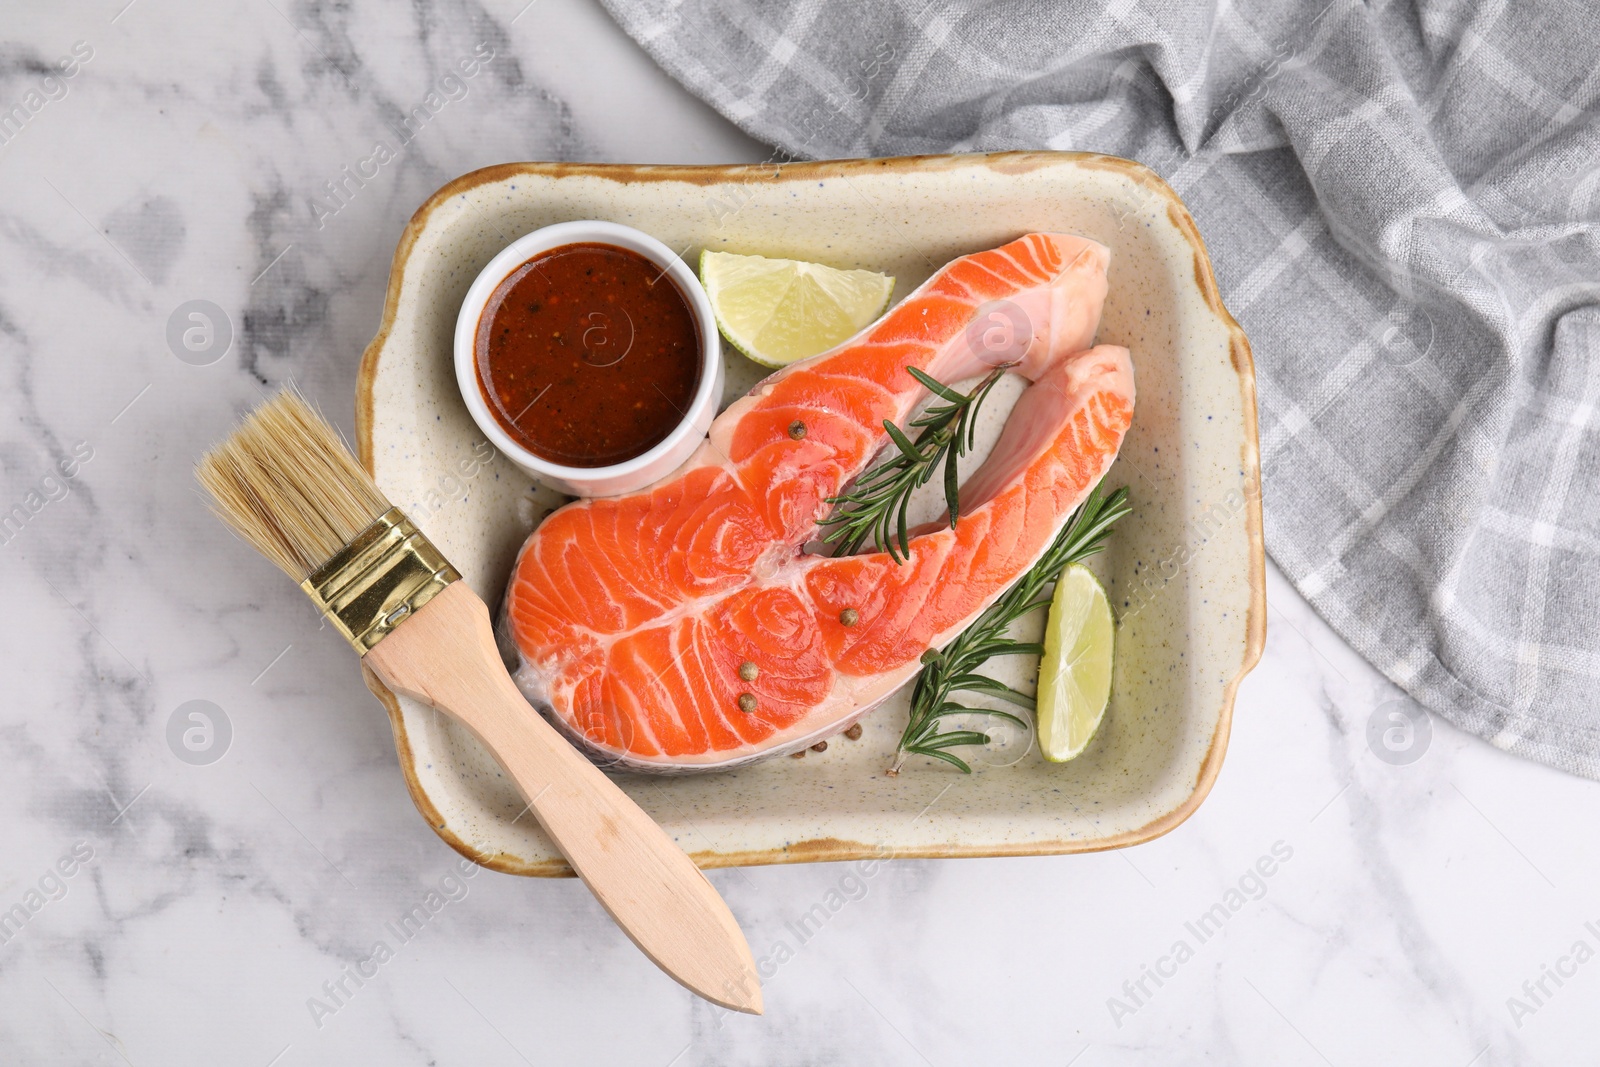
(641, 470)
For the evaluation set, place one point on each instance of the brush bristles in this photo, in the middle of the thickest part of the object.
(286, 483)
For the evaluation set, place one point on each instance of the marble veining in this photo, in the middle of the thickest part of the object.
(171, 897)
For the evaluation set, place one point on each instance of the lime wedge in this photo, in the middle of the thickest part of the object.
(776, 311)
(1075, 672)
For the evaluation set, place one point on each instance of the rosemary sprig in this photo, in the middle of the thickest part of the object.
(876, 505)
(954, 670)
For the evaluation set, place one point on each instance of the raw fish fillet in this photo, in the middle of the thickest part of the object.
(632, 616)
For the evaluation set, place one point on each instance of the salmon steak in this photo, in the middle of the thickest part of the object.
(691, 626)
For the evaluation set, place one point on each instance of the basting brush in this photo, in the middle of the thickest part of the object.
(286, 483)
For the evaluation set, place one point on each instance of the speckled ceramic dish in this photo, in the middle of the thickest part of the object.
(1185, 570)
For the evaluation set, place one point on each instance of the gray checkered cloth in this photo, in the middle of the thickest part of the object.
(1401, 203)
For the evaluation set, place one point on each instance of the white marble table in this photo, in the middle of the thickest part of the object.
(1417, 913)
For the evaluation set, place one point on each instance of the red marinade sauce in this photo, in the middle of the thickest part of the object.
(588, 355)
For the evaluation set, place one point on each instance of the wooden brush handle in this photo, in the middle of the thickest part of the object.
(445, 657)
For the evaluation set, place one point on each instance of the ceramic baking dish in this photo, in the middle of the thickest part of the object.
(1185, 570)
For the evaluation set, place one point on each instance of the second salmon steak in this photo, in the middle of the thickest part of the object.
(686, 627)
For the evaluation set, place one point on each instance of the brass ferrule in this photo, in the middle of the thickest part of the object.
(379, 580)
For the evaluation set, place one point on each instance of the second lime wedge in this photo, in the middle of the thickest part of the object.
(1075, 671)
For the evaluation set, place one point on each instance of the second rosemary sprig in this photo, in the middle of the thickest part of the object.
(875, 508)
(955, 668)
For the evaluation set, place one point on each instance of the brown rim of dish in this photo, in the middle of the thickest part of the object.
(833, 849)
